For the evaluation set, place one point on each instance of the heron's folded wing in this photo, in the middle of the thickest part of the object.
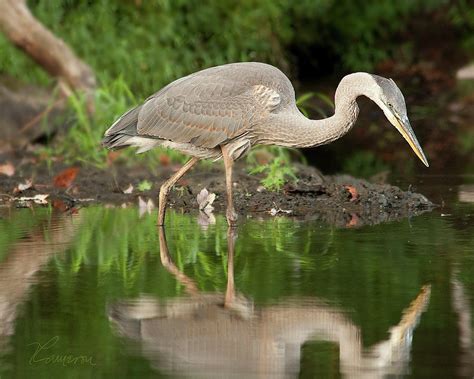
(203, 112)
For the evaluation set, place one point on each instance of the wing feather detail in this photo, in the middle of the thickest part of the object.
(207, 113)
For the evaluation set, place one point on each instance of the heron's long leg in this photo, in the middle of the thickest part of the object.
(166, 187)
(229, 163)
(230, 290)
(167, 262)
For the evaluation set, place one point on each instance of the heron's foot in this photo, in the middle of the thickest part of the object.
(232, 216)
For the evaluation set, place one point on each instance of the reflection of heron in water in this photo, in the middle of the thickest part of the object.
(214, 335)
(223, 111)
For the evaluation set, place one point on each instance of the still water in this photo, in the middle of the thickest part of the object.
(104, 293)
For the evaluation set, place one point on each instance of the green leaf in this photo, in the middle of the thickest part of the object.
(144, 185)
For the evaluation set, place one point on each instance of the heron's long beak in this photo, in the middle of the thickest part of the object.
(404, 127)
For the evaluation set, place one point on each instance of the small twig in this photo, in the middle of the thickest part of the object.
(40, 115)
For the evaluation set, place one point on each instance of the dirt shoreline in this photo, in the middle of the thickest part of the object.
(338, 200)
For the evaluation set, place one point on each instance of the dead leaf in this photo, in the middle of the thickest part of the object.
(37, 199)
(129, 189)
(60, 205)
(112, 156)
(23, 186)
(164, 159)
(354, 195)
(65, 178)
(275, 211)
(7, 169)
(205, 200)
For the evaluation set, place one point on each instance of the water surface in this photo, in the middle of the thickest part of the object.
(93, 294)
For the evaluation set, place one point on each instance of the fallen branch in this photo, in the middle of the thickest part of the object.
(49, 51)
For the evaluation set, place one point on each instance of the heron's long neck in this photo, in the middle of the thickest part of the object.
(293, 129)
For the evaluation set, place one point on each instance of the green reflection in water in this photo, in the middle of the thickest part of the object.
(60, 273)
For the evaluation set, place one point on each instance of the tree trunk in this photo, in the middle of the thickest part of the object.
(26, 32)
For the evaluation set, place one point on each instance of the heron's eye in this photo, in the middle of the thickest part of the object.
(390, 105)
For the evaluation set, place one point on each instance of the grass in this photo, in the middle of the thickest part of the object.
(81, 143)
(364, 164)
(136, 47)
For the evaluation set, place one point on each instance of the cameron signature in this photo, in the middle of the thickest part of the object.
(43, 355)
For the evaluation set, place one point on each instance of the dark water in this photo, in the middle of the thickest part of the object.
(87, 295)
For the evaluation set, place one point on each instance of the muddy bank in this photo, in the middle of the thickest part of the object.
(338, 200)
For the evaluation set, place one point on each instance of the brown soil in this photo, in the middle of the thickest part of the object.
(338, 200)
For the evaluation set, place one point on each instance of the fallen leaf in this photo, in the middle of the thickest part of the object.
(37, 199)
(7, 169)
(205, 200)
(65, 178)
(164, 159)
(23, 186)
(129, 189)
(60, 205)
(145, 206)
(275, 211)
(112, 156)
(353, 192)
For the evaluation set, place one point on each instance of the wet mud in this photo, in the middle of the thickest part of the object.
(339, 200)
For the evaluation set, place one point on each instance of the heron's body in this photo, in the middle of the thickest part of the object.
(221, 112)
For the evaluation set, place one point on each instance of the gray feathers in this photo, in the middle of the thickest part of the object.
(206, 109)
(118, 135)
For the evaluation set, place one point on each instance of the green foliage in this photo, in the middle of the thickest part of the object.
(355, 34)
(151, 43)
(137, 47)
(363, 164)
(277, 173)
(462, 15)
(305, 105)
(144, 185)
(466, 141)
(278, 167)
(82, 141)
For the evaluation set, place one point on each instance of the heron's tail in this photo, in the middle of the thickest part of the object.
(122, 130)
(124, 133)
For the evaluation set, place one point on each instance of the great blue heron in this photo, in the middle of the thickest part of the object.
(221, 112)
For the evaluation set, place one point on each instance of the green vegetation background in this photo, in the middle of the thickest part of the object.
(136, 46)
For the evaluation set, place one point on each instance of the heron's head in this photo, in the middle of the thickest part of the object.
(390, 99)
